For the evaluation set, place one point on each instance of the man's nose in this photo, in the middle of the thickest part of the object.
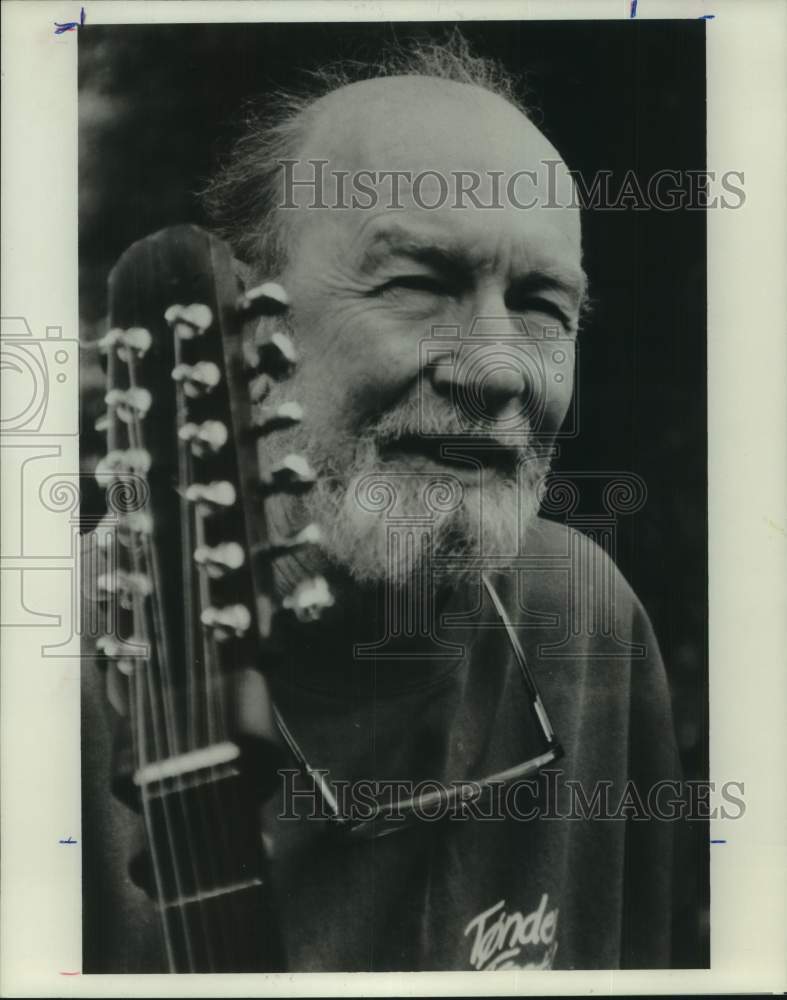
(483, 374)
(484, 365)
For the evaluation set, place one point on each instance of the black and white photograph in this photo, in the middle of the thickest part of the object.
(396, 410)
(414, 599)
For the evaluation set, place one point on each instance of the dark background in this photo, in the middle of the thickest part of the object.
(159, 104)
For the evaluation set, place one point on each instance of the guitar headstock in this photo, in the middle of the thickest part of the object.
(191, 357)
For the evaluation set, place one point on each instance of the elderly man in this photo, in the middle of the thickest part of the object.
(428, 238)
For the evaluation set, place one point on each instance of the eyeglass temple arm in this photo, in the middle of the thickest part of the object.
(527, 676)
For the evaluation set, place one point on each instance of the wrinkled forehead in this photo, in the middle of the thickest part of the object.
(453, 154)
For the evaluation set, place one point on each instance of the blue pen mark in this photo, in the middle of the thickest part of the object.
(70, 25)
(68, 840)
(718, 841)
(706, 17)
(633, 11)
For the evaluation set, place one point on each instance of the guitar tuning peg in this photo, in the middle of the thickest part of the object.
(117, 463)
(126, 585)
(309, 599)
(102, 423)
(310, 535)
(134, 343)
(209, 436)
(226, 622)
(267, 419)
(109, 340)
(268, 299)
(292, 475)
(111, 526)
(188, 322)
(197, 380)
(271, 353)
(212, 497)
(219, 559)
(129, 404)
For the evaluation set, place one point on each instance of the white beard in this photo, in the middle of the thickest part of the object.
(384, 520)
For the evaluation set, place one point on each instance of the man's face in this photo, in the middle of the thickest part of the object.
(437, 345)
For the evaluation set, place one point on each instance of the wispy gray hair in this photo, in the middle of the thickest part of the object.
(242, 198)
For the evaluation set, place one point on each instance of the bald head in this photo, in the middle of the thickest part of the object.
(429, 143)
(433, 118)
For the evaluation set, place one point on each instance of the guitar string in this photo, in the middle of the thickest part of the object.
(138, 744)
(137, 728)
(160, 747)
(201, 701)
(166, 741)
(138, 735)
(217, 730)
(232, 846)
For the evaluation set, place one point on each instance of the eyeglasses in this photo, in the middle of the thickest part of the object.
(387, 818)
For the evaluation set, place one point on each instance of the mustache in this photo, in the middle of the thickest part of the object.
(436, 430)
(419, 419)
(429, 426)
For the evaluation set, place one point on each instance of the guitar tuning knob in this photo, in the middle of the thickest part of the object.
(134, 342)
(129, 404)
(267, 419)
(121, 651)
(292, 475)
(110, 339)
(209, 436)
(310, 535)
(132, 461)
(126, 585)
(188, 322)
(309, 599)
(271, 353)
(228, 622)
(268, 299)
(197, 380)
(212, 497)
(219, 559)
(131, 525)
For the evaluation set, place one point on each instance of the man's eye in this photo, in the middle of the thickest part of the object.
(416, 283)
(537, 304)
